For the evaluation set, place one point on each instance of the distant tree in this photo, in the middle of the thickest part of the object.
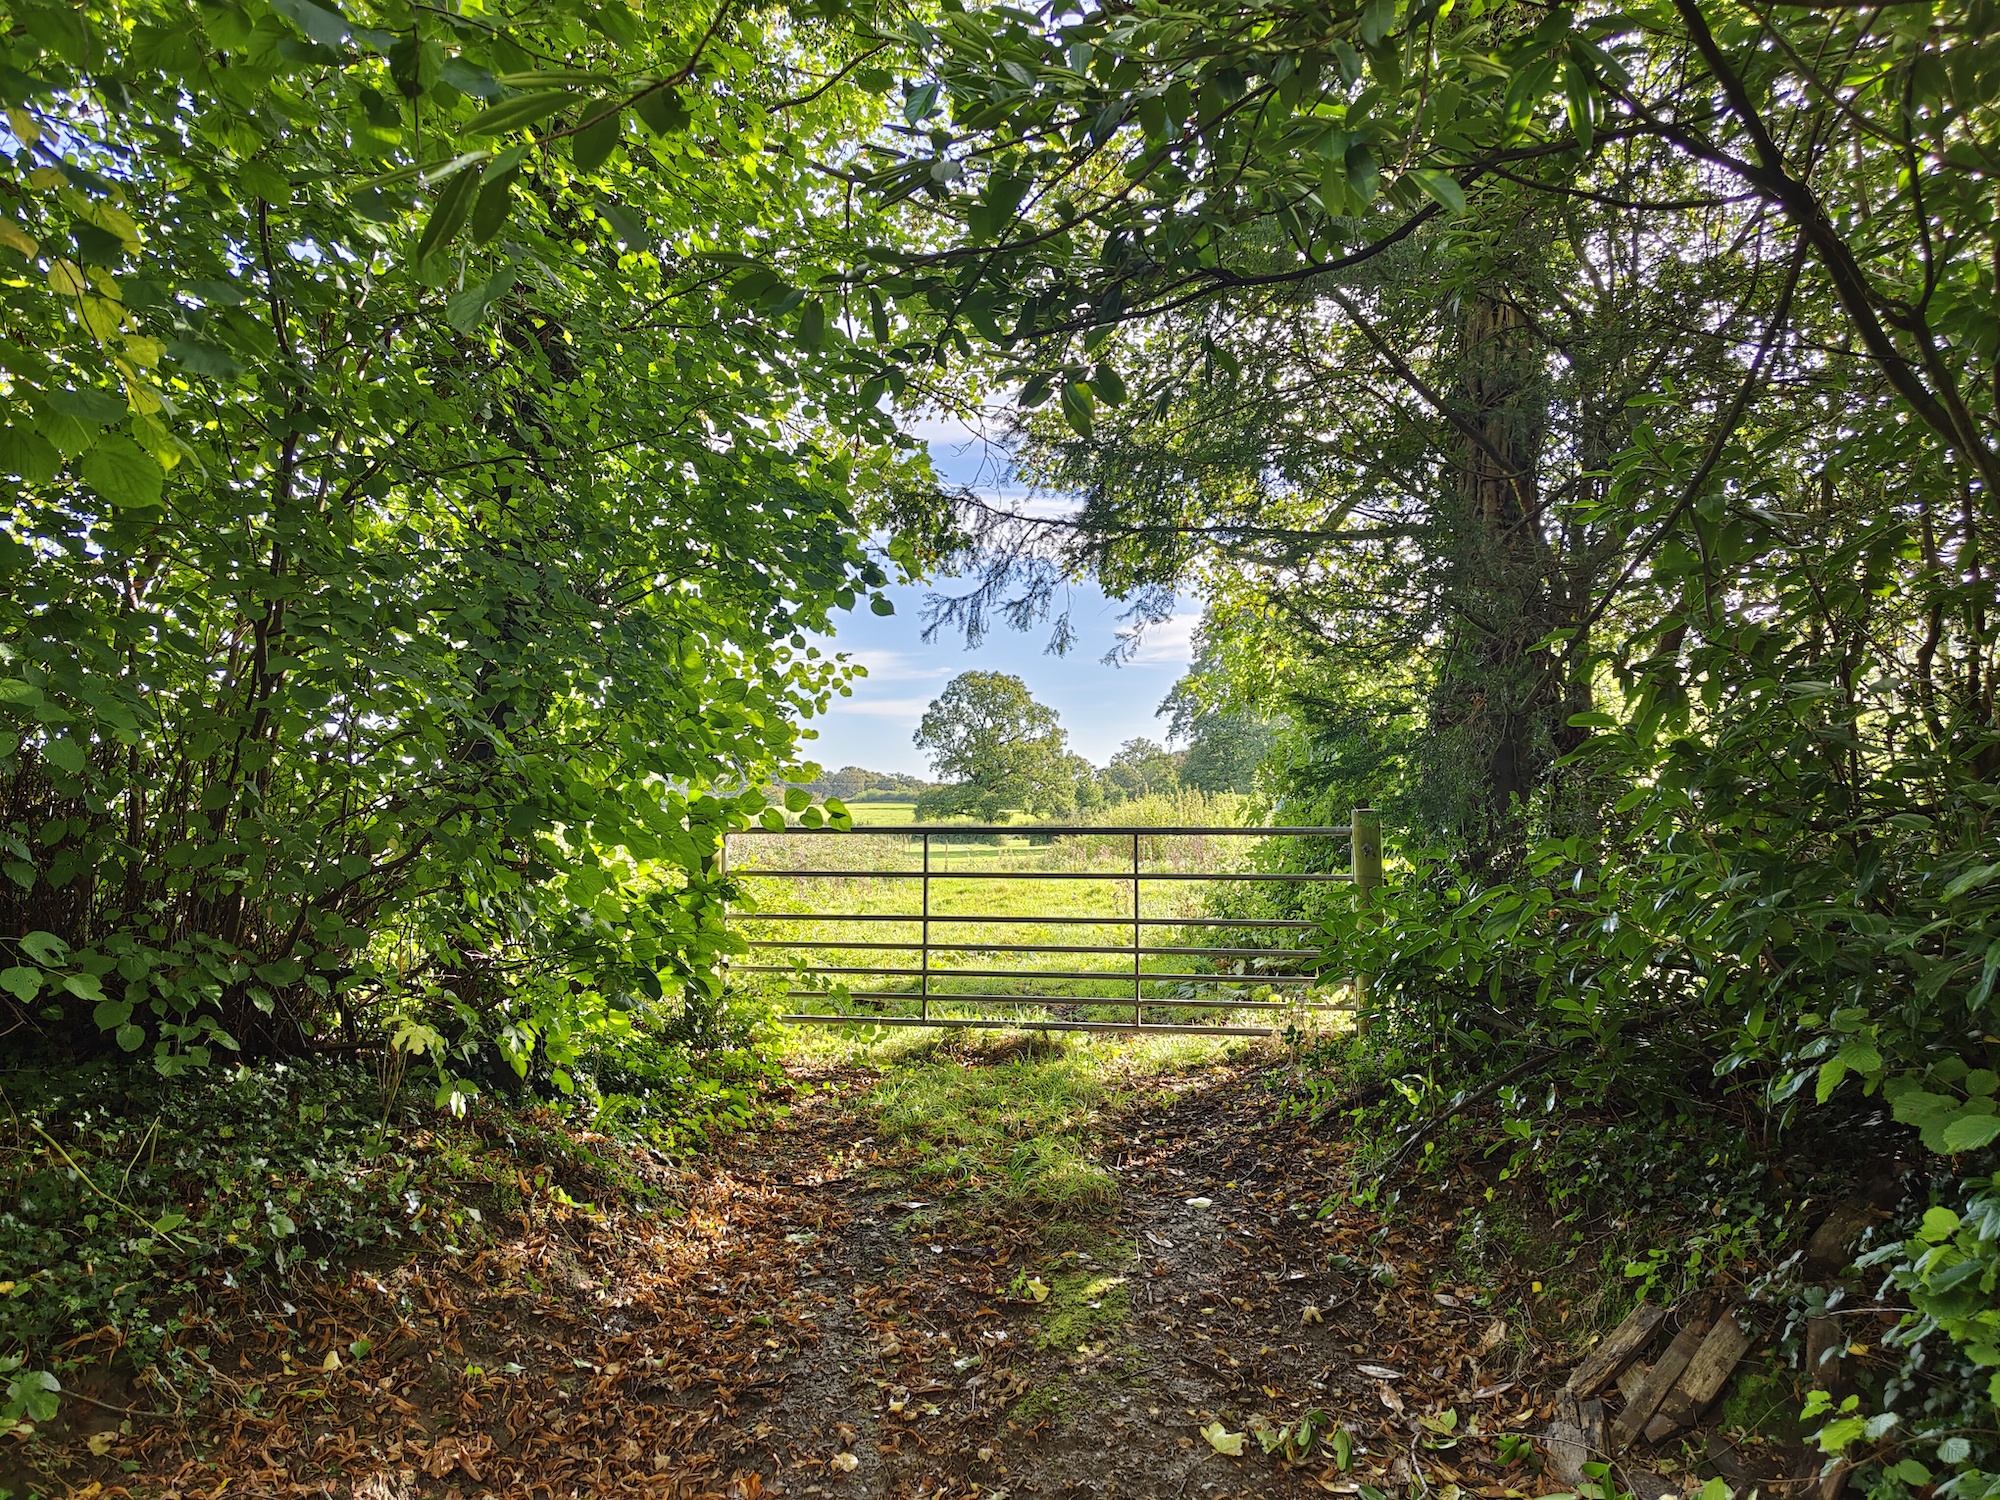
(995, 748)
(847, 783)
(1142, 767)
(1224, 751)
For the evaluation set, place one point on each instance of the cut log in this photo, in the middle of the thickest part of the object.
(1574, 1438)
(1601, 1366)
(1828, 1248)
(1705, 1376)
(1660, 1380)
(1826, 1348)
(1631, 1378)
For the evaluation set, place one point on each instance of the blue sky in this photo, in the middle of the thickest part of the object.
(1101, 706)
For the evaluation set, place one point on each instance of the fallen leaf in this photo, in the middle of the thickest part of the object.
(1038, 1289)
(1379, 1372)
(1388, 1397)
(846, 1463)
(1310, 1314)
(100, 1442)
(1201, 1203)
(1488, 1392)
(332, 1360)
(1494, 1332)
(1223, 1441)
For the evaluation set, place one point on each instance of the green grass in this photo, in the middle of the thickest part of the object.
(1010, 1126)
(875, 814)
(1025, 913)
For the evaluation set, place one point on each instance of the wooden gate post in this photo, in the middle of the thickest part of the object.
(1365, 840)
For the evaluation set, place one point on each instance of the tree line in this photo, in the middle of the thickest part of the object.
(999, 751)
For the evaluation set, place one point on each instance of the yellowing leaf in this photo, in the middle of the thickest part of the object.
(14, 237)
(846, 1463)
(1310, 1314)
(65, 280)
(116, 221)
(1223, 1441)
(101, 316)
(47, 177)
(1038, 1289)
(26, 131)
(332, 1360)
(101, 1442)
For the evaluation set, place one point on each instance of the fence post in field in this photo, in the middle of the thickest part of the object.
(1365, 841)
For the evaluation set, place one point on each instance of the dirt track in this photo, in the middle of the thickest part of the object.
(801, 1329)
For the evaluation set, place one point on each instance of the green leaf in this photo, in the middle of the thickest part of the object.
(129, 1037)
(202, 359)
(1939, 1225)
(1971, 880)
(513, 114)
(123, 473)
(797, 799)
(44, 947)
(36, 1392)
(97, 408)
(66, 754)
(661, 111)
(812, 322)
(465, 310)
(21, 982)
(489, 215)
(1442, 188)
(1579, 101)
(1860, 1056)
(1035, 390)
(1078, 407)
(1970, 1132)
(28, 455)
(1109, 385)
(627, 225)
(322, 25)
(881, 604)
(592, 146)
(84, 986)
(469, 78)
(448, 214)
(1989, 971)
(1917, 1107)
(919, 102)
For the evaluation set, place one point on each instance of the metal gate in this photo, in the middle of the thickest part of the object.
(1260, 968)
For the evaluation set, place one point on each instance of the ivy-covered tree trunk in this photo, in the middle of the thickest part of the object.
(1491, 714)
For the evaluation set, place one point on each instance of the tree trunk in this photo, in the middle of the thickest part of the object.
(1490, 729)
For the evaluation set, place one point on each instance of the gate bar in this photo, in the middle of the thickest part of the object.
(1106, 975)
(1086, 1001)
(1015, 1023)
(1154, 949)
(1289, 923)
(1276, 875)
(1009, 830)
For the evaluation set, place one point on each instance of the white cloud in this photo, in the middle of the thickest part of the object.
(909, 710)
(894, 666)
(1169, 643)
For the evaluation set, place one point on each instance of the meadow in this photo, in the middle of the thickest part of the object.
(1028, 928)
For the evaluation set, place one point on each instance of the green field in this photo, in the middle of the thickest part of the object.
(807, 930)
(875, 814)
